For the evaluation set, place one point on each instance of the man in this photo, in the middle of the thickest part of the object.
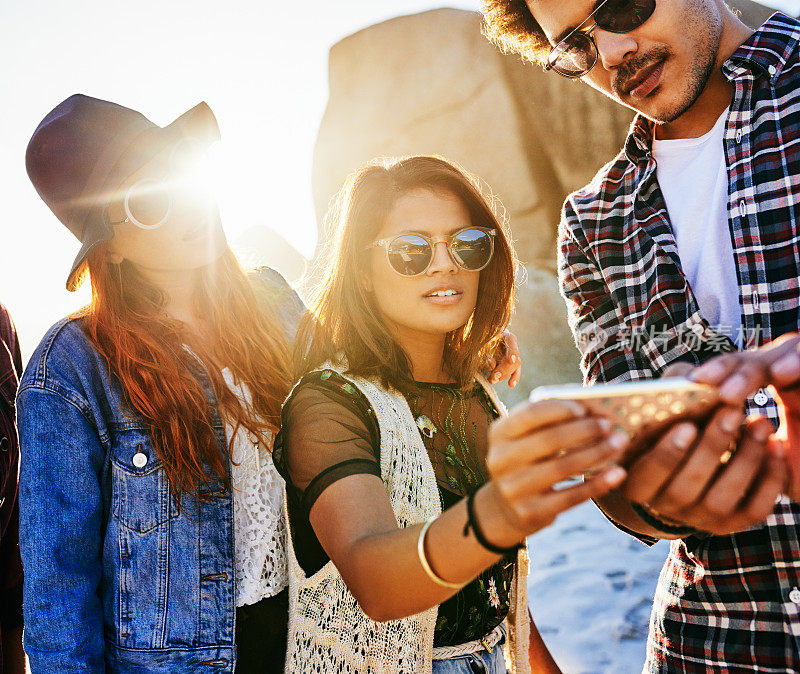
(683, 247)
(12, 657)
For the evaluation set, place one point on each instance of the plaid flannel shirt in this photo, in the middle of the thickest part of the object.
(723, 603)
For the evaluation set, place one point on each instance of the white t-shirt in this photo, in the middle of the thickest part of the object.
(693, 177)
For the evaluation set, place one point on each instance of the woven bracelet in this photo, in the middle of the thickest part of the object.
(472, 523)
(653, 521)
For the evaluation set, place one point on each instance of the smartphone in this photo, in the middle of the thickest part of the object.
(640, 408)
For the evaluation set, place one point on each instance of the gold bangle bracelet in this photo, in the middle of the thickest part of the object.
(424, 560)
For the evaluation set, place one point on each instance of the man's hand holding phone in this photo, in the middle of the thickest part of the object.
(740, 374)
(701, 467)
(719, 478)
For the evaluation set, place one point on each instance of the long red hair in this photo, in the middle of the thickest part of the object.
(146, 350)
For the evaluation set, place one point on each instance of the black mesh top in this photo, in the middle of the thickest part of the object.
(329, 431)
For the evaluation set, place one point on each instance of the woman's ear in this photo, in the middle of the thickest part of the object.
(113, 257)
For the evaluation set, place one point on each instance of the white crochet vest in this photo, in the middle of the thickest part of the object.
(328, 631)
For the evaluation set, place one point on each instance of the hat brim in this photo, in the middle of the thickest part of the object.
(75, 274)
(198, 123)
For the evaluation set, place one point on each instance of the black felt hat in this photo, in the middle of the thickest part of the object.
(85, 148)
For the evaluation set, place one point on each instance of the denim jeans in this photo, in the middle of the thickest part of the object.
(474, 663)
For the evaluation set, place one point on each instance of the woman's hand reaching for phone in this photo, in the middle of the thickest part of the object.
(533, 449)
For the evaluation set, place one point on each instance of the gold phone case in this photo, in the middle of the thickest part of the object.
(641, 407)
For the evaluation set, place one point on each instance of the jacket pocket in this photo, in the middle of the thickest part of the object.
(141, 498)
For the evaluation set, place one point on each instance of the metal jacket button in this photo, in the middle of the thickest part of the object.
(140, 460)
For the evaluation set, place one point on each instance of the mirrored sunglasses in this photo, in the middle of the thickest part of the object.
(471, 249)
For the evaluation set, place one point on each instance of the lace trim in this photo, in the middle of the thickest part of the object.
(258, 514)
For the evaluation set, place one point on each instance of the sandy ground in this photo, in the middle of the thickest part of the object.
(591, 588)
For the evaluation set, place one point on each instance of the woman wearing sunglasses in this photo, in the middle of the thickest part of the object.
(152, 527)
(408, 514)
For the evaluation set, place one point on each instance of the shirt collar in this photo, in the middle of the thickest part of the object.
(640, 139)
(767, 49)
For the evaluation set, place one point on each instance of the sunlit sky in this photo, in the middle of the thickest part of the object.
(261, 66)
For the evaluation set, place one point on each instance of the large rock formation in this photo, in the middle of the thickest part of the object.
(430, 83)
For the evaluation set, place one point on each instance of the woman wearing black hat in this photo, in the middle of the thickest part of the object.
(151, 512)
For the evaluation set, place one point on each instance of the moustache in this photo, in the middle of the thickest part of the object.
(628, 70)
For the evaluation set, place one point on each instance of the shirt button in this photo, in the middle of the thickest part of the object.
(756, 300)
(140, 460)
(761, 399)
(743, 208)
(738, 135)
(794, 595)
(772, 70)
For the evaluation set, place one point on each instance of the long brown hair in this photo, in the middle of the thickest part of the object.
(146, 350)
(344, 318)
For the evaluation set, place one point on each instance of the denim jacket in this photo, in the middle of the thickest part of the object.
(117, 578)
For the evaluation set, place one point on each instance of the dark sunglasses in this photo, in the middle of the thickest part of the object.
(470, 248)
(576, 54)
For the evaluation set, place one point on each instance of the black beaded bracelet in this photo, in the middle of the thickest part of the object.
(653, 521)
(472, 523)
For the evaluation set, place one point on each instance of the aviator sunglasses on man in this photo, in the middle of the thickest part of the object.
(411, 254)
(148, 202)
(576, 54)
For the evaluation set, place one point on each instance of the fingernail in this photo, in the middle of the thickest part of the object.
(619, 440)
(731, 421)
(514, 385)
(710, 370)
(614, 475)
(513, 358)
(605, 425)
(735, 387)
(787, 366)
(761, 433)
(684, 436)
(577, 409)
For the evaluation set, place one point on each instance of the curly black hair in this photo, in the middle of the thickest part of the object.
(510, 25)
